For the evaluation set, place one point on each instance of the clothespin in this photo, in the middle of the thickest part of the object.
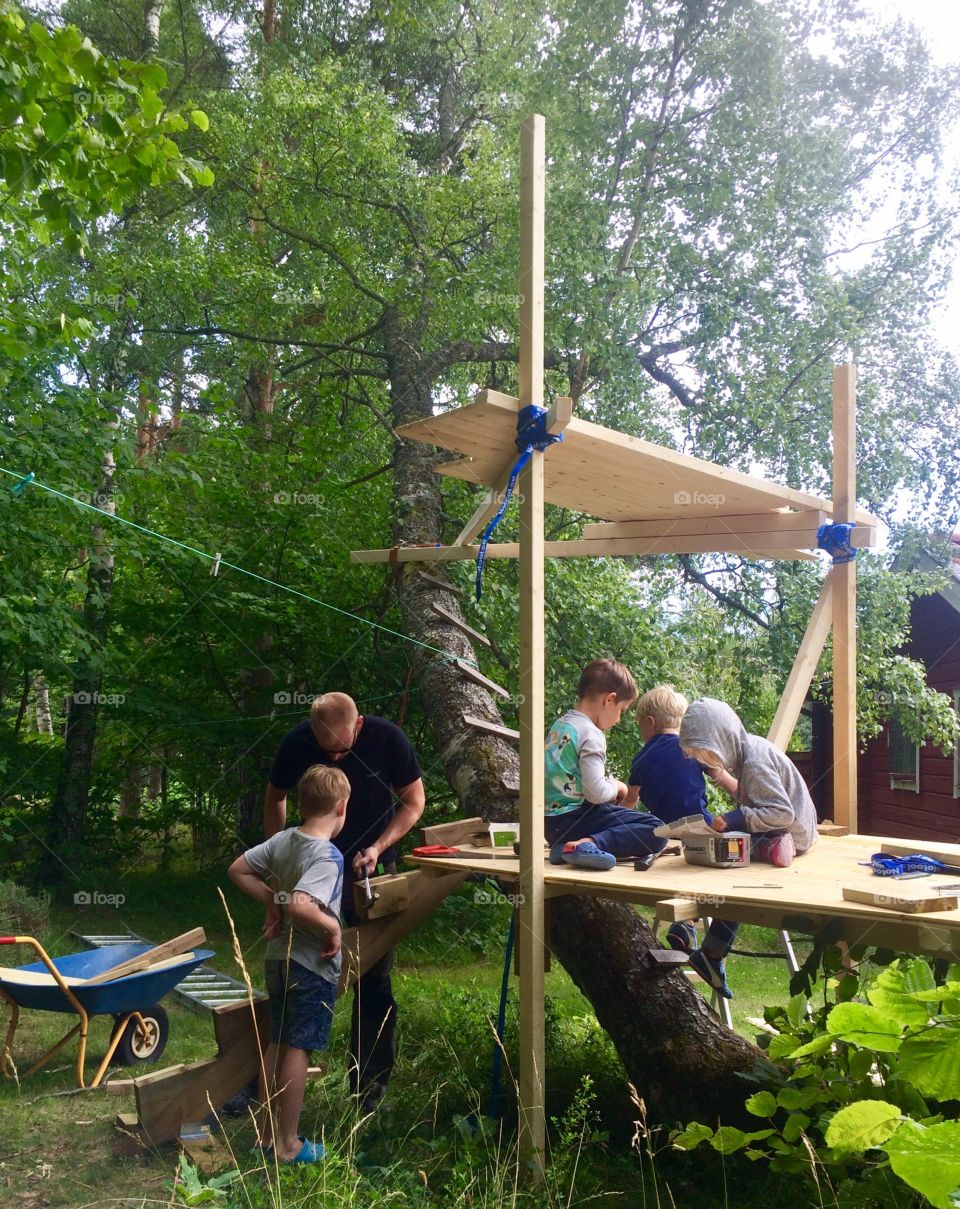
(216, 564)
(19, 488)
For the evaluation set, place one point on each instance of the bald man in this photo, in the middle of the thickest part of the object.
(386, 800)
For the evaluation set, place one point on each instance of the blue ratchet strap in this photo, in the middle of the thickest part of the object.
(835, 539)
(898, 866)
(531, 434)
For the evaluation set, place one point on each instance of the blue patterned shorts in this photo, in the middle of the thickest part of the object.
(301, 1005)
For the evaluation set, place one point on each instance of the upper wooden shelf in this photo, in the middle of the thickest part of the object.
(604, 473)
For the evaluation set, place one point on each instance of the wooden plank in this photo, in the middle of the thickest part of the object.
(670, 910)
(531, 922)
(697, 526)
(461, 625)
(844, 609)
(490, 728)
(948, 853)
(607, 474)
(471, 673)
(484, 512)
(365, 944)
(828, 827)
(777, 546)
(170, 948)
(440, 583)
(804, 666)
(895, 897)
(392, 891)
(168, 1099)
(454, 833)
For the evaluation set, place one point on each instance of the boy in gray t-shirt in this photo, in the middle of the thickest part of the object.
(298, 875)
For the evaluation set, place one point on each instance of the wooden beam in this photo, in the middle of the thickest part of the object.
(685, 526)
(168, 1099)
(672, 909)
(530, 930)
(801, 674)
(558, 417)
(365, 944)
(471, 673)
(492, 499)
(490, 728)
(894, 896)
(178, 946)
(461, 625)
(844, 578)
(440, 583)
(948, 853)
(452, 834)
(765, 546)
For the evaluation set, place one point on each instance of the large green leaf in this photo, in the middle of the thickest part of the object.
(900, 990)
(931, 1062)
(862, 1125)
(927, 1157)
(862, 1024)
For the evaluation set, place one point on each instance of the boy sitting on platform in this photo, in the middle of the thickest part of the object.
(583, 823)
(775, 807)
(298, 875)
(668, 783)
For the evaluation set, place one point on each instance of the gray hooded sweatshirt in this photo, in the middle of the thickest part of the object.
(772, 795)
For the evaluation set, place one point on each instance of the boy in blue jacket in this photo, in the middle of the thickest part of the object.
(668, 783)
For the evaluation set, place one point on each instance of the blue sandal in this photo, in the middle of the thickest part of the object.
(309, 1152)
(588, 856)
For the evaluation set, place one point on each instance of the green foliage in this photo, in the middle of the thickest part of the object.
(867, 1084)
(22, 912)
(191, 1189)
(81, 135)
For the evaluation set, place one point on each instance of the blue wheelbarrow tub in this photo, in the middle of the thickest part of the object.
(129, 994)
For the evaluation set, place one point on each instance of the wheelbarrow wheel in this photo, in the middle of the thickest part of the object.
(139, 1045)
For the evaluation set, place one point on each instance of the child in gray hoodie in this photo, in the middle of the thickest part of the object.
(774, 806)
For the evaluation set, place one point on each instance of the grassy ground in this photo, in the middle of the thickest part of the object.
(423, 1147)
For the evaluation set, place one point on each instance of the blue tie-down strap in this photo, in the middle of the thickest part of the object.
(531, 434)
(835, 539)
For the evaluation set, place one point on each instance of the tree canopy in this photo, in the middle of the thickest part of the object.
(238, 263)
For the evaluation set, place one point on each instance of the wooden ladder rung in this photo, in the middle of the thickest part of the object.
(478, 677)
(490, 728)
(461, 625)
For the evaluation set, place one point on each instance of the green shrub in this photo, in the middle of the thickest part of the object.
(23, 913)
(869, 1098)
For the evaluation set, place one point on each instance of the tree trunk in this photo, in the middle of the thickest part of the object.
(41, 701)
(66, 827)
(683, 1061)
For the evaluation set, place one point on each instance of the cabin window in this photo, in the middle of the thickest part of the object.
(904, 758)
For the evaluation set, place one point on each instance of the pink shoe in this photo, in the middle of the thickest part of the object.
(778, 850)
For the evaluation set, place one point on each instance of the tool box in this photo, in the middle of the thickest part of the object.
(724, 850)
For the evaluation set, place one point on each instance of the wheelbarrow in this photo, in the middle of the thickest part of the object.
(123, 981)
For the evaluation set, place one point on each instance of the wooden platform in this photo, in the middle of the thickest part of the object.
(605, 473)
(804, 898)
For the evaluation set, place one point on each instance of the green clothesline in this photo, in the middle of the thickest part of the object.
(25, 480)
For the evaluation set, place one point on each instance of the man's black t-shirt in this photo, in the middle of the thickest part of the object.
(381, 760)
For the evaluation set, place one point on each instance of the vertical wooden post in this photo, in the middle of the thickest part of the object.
(531, 917)
(844, 579)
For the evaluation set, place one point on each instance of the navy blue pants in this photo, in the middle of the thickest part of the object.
(615, 829)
